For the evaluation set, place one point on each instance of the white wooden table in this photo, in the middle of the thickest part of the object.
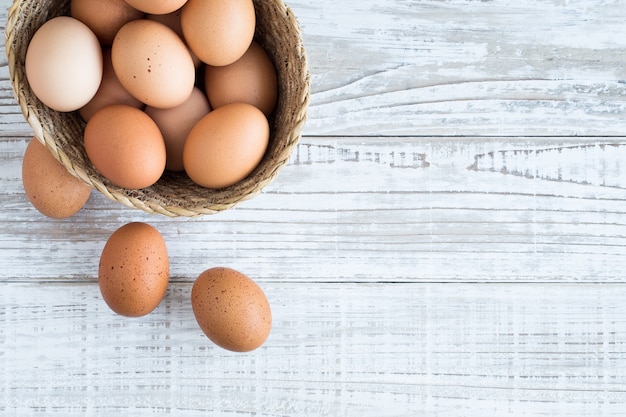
(449, 238)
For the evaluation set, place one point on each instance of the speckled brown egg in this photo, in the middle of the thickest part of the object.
(153, 63)
(231, 309)
(50, 188)
(134, 270)
(172, 21)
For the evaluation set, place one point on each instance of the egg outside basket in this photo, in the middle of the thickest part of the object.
(277, 30)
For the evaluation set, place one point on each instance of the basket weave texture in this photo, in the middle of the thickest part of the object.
(277, 30)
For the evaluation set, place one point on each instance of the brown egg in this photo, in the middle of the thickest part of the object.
(172, 21)
(226, 145)
(175, 124)
(219, 31)
(126, 146)
(111, 91)
(134, 270)
(50, 188)
(231, 309)
(157, 6)
(153, 63)
(104, 17)
(251, 79)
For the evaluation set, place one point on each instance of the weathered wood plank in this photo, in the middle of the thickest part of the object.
(466, 67)
(340, 350)
(371, 210)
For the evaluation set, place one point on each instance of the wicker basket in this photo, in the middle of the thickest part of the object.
(174, 194)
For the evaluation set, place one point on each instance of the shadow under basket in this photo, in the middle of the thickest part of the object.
(277, 30)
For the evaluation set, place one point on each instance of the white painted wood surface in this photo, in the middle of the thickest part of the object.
(449, 238)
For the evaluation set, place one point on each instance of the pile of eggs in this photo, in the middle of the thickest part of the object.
(176, 85)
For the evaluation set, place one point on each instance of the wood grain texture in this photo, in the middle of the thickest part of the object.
(448, 238)
(466, 67)
(372, 210)
(361, 349)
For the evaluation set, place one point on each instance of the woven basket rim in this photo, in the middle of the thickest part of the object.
(293, 112)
